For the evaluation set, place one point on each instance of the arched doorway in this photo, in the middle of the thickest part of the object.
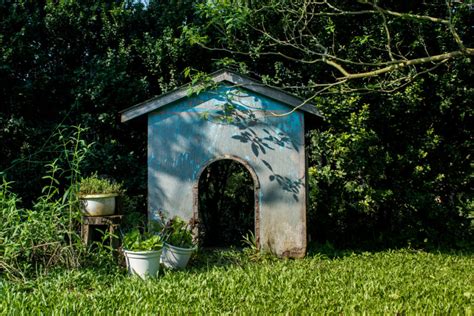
(226, 202)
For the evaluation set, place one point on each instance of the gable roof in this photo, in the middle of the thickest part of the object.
(220, 76)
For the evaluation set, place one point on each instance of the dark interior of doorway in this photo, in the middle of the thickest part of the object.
(226, 204)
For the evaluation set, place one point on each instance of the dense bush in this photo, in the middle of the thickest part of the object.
(393, 170)
(46, 236)
(77, 63)
(32, 240)
(387, 169)
(392, 164)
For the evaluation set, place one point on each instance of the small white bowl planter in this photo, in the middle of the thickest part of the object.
(176, 257)
(98, 204)
(143, 263)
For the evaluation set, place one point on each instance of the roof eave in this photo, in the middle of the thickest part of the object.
(218, 77)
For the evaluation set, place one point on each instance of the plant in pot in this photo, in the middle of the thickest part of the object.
(142, 253)
(179, 244)
(97, 195)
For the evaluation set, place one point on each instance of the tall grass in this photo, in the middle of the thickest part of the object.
(34, 240)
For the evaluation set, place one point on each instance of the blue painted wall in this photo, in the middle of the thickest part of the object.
(184, 137)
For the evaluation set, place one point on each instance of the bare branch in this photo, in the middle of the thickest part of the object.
(387, 32)
(410, 15)
(338, 67)
(406, 63)
(306, 101)
(453, 31)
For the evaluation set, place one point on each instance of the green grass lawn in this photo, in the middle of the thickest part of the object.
(401, 281)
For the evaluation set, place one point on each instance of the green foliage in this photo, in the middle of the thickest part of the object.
(177, 232)
(96, 185)
(35, 240)
(250, 241)
(226, 204)
(388, 169)
(389, 282)
(136, 241)
(393, 173)
(81, 63)
(133, 216)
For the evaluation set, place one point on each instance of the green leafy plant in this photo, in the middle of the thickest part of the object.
(177, 232)
(250, 241)
(34, 240)
(147, 241)
(96, 185)
(251, 249)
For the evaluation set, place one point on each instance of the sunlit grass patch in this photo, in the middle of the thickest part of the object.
(401, 281)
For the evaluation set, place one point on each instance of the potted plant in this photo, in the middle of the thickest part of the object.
(142, 253)
(179, 244)
(97, 195)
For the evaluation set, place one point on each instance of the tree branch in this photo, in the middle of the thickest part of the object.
(409, 15)
(406, 63)
(386, 45)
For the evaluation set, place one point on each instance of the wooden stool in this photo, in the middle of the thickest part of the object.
(112, 222)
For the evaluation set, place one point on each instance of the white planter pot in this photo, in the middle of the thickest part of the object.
(176, 257)
(98, 204)
(143, 263)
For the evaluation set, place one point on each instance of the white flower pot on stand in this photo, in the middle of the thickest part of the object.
(98, 204)
(176, 257)
(143, 263)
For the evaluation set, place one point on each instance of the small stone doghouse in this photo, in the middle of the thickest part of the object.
(234, 118)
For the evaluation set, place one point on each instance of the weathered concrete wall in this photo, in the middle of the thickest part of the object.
(186, 136)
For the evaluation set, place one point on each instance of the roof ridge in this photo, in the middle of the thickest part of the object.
(218, 76)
